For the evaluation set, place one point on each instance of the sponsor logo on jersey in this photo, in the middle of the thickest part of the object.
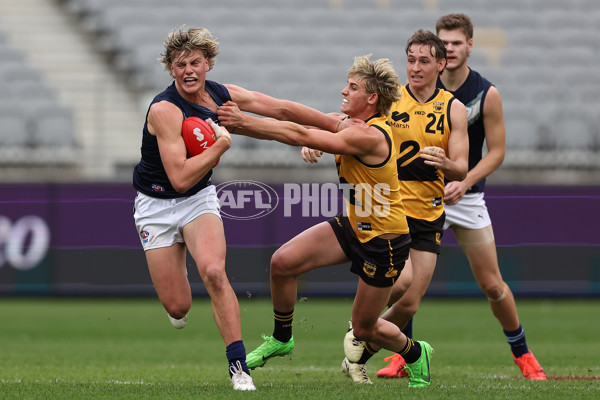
(404, 117)
(400, 120)
(436, 201)
(363, 226)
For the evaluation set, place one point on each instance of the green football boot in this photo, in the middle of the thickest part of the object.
(418, 372)
(270, 348)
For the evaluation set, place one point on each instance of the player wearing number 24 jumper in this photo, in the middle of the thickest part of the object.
(465, 208)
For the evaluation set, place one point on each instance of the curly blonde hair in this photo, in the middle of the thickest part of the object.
(180, 42)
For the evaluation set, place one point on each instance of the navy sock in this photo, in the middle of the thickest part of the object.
(517, 342)
(408, 329)
(237, 352)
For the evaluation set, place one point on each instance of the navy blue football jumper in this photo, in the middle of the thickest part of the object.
(472, 94)
(149, 175)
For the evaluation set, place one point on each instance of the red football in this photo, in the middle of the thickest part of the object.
(197, 135)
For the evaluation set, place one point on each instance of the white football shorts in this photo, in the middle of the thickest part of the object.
(470, 213)
(160, 222)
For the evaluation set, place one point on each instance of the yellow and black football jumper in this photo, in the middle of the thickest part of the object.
(373, 208)
(415, 126)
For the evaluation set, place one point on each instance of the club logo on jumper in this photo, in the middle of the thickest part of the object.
(245, 200)
(144, 235)
(438, 106)
(369, 269)
(157, 188)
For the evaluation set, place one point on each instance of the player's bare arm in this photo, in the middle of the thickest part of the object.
(283, 110)
(495, 136)
(364, 141)
(164, 121)
(311, 155)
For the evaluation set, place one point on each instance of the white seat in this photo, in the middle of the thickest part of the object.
(13, 129)
(573, 129)
(522, 128)
(53, 127)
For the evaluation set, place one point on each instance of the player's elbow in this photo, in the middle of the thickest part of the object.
(458, 173)
(284, 111)
(298, 136)
(461, 175)
(181, 185)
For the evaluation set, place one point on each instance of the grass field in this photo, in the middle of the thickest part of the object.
(126, 349)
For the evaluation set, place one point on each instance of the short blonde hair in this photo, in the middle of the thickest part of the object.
(181, 41)
(378, 77)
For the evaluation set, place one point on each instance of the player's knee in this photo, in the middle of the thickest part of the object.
(405, 307)
(280, 264)
(362, 332)
(178, 309)
(495, 291)
(214, 277)
(397, 293)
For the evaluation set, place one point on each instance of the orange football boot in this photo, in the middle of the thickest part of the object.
(530, 367)
(395, 368)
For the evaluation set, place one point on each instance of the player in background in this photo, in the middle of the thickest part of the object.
(373, 235)
(466, 212)
(429, 128)
(176, 207)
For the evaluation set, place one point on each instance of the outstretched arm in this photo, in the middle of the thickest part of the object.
(283, 110)
(493, 122)
(360, 140)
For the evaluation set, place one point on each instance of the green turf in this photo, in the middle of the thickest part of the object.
(126, 349)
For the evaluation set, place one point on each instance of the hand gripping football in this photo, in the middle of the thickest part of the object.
(197, 135)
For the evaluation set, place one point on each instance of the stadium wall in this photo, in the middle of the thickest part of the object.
(80, 240)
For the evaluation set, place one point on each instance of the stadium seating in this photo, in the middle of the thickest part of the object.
(301, 50)
(13, 125)
(24, 96)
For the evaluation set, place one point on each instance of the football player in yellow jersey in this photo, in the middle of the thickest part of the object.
(429, 128)
(373, 236)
